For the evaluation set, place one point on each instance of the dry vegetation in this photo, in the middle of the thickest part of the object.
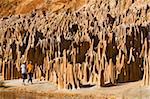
(102, 43)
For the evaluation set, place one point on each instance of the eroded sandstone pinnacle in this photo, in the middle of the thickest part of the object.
(102, 43)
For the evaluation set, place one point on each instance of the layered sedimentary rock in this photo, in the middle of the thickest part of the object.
(12, 7)
(102, 43)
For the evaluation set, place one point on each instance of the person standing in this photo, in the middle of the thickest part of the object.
(30, 71)
(24, 72)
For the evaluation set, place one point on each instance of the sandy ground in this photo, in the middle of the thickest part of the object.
(132, 90)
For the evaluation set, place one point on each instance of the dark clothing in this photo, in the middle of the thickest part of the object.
(24, 76)
(30, 77)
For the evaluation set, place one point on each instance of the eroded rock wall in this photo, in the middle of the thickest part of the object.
(102, 43)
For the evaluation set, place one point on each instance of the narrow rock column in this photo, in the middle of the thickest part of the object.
(3, 71)
(146, 63)
(84, 73)
(70, 76)
(9, 70)
(75, 68)
(12, 70)
(65, 69)
(47, 65)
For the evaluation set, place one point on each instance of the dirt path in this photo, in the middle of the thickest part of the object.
(125, 90)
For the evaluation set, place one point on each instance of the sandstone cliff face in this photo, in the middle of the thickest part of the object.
(12, 7)
(102, 43)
